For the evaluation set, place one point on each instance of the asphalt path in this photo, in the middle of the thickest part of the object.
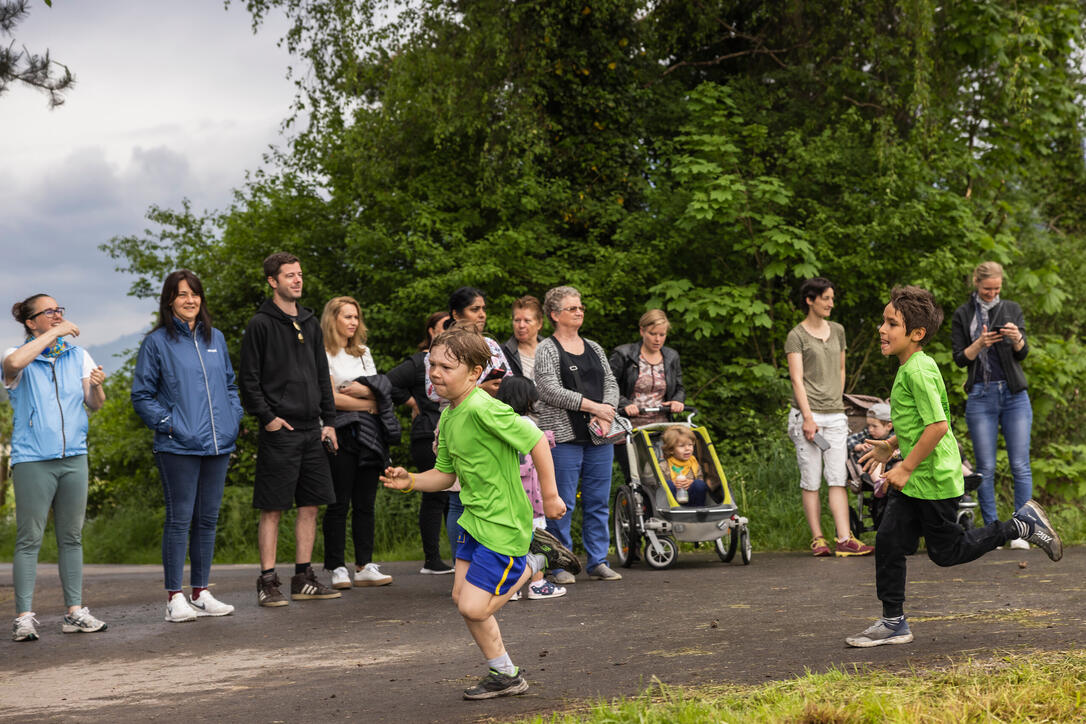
(401, 653)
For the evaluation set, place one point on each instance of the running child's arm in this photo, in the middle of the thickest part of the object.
(430, 481)
(553, 506)
(880, 452)
(933, 433)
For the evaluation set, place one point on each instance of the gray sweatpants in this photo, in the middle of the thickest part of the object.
(59, 484)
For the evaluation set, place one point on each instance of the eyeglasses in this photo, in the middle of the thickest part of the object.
(54, 312)
(299, 329)
(575, 308)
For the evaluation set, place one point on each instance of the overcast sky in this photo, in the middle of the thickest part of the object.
(173, 100)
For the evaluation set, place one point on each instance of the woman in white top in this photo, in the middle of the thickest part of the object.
(355, 469)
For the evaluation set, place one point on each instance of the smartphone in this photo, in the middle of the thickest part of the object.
(328, 445)
(821, 442)
(495, 374)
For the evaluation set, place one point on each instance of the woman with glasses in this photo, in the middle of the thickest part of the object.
(577, 390)
(50, 381)
(184, 389)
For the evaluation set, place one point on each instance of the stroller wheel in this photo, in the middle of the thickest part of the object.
(727, 551)
(627, 538)
(664, 559)
(966, 519)
(744, 546)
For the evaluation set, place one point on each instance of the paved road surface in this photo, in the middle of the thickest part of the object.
(401, 654)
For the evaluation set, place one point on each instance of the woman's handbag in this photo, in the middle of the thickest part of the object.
(620, 426)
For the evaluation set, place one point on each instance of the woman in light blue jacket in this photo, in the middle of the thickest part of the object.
(50, 381)
(183, 389)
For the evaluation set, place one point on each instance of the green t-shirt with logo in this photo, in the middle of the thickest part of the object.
(478, 441)
(918, 400)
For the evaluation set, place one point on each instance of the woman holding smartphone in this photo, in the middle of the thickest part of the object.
(816, 421)
(988, 336)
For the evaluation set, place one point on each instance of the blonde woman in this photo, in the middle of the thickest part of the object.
(988, 335)
(363, 448)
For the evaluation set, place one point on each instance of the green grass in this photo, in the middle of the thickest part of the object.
(763, 482)
(1019, 687)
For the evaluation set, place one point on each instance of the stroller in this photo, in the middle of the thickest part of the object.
(867, 512)
(644, 509)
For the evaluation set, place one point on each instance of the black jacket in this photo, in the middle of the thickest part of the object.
(999, 315)
(512, 354)
(624, 363)
(408, 380)
(373, 432)
(283, 376)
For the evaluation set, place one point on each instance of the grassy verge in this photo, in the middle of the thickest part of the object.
(1018, 687)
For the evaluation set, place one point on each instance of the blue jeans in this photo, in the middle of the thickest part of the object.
(193, 486)
(452, 524)
(992, 406)
(591, 464)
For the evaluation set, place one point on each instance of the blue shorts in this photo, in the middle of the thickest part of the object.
(493, 572)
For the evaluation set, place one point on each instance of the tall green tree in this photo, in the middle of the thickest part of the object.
(26, 68)
(701, 156)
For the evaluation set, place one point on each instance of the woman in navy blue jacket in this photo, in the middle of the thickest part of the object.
(184, 390)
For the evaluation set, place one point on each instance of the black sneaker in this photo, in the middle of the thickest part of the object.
(305, 585)
(436, 567)
(267, 590)
(557, 555)
(1041, 533)
(496, 684)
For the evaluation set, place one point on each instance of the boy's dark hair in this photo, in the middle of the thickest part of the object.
(811, 289)
(464, 345)
(519, 393)
(918, 310)
(276, 260)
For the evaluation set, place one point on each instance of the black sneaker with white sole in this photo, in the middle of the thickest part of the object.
(1041, 533)
(557, 555)
(496, 684)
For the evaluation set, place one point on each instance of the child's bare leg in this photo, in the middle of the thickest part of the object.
(478, 608)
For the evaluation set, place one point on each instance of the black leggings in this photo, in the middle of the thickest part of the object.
(356, 490)
(433, 506)
(905, 520)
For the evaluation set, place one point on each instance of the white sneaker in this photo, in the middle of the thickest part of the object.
(1019, 544)
(178, 609)
(82, 622)
(371, 575)
(545, 589)
(208, 605)
(23, 628)
(341, 578)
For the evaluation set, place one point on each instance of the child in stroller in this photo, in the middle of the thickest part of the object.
(682, 473)
(879, 427)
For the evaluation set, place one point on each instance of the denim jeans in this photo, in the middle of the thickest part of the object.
(591, 464)
(452, 521)
(992, 406)
(192, 485)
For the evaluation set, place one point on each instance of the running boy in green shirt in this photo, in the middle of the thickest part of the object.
(497, 553)
(926, 485)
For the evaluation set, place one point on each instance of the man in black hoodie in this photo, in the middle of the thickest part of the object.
(285, 384)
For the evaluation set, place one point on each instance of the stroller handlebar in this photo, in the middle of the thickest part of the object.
(686, 409)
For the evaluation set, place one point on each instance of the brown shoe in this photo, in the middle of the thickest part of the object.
(267, 590)
(305, 585)
(853, 547)
(820, 548)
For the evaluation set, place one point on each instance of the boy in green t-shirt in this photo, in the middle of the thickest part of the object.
(926, 485)
(497, 552)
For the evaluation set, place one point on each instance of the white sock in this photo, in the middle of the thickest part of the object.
(503, 664)
(892, 621)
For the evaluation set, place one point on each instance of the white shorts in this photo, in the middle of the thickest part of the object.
(814, 464)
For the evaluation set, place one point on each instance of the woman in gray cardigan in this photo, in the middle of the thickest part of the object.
(577, 389)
